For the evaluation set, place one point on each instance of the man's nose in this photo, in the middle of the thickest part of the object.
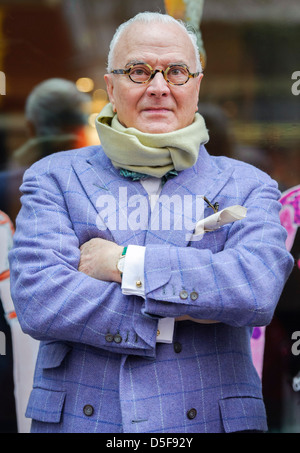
(158, 86)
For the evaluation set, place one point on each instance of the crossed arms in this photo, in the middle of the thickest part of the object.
(238, 285)
(98, 259)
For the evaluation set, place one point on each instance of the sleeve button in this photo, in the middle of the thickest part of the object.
(183, 294)
(117, 338)
(109, 338)
(194, 295)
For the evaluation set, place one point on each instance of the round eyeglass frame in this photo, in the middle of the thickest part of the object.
(153, 73)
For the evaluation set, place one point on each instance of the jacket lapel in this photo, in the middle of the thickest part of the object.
(187, 189)
(122, 205)
(109, 194)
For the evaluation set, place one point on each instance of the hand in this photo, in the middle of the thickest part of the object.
(99, 259)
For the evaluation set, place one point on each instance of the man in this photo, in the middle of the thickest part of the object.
(145, 322)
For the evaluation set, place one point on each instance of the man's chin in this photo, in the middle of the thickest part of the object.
(156, 127)
(157, 122)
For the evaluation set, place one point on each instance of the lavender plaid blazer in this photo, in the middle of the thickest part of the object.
(99, 368)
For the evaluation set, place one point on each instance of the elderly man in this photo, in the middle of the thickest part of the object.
(144, 313)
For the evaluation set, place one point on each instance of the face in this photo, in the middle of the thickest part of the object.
(155, 107)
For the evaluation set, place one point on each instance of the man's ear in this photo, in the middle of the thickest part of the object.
(198, 88)
(199, 82)
(110, 89)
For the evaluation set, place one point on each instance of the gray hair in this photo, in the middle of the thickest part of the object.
(56, 106)
(147, 18)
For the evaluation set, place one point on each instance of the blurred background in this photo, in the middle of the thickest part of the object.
(249, 97)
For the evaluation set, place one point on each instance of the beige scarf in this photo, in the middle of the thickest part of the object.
(151, 154)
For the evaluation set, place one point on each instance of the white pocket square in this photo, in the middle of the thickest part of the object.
(215, 221)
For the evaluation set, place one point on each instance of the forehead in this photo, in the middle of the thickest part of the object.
(154, 43)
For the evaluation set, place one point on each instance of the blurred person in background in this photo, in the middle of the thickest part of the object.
(25, 348)
(56, 115)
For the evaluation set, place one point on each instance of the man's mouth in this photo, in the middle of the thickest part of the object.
(157, 109)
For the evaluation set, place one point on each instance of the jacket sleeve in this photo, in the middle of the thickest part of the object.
(239, 285)
(53, 300)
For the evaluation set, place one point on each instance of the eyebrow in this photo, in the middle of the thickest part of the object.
(132, 62)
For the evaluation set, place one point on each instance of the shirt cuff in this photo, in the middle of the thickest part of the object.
(133, 281)
(165, 330)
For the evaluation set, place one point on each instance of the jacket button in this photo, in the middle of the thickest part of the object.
(177, 347)
(191, 414)
(109, 338)
(88, 410)
(194, 295)
(183, 294)
(117, 338)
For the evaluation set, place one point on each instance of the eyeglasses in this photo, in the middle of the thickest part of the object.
(177, 74)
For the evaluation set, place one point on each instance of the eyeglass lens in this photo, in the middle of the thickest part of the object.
(174, 74)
